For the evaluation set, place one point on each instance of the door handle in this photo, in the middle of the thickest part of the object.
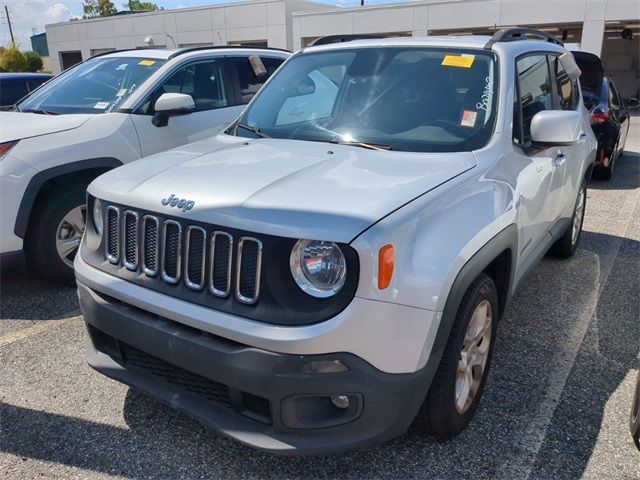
(560, 159)
(583, 135)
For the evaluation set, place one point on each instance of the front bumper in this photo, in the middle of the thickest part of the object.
(259, 397)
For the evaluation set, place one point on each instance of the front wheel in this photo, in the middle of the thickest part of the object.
(55, 233)
(459, 381)
(567, 245)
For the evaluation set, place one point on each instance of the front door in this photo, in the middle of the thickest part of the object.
(208, 82)
(541, 171)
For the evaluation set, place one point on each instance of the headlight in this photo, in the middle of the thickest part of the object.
(318, 267)
(98, 220)
(6, 146)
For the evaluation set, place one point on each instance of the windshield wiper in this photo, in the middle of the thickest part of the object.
(251, 129)
(39, 111)
(370, 146)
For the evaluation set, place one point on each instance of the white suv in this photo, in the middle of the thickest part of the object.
(335, 265)
(102, 113)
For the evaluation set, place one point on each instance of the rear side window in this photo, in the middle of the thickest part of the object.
(11, 91)
(534, 94)
(249, 82)
(567, 89)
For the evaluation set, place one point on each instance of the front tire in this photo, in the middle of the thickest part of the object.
(54, 235)
(459, 381)
(567, 245)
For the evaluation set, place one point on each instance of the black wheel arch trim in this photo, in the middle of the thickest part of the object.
(506, 239)
(40, 178)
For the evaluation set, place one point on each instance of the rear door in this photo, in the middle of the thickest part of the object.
(209, 82)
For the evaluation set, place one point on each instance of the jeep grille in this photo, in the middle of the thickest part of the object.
(173, 252)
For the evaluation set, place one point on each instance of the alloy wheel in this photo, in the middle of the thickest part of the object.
(577, 217)
(69, 234)
(473, 357)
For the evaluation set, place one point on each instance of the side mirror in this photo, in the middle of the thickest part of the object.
(632, 103)
(556, 127)
(170, 105)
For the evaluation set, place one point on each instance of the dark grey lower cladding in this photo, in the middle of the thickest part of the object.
(264, 399)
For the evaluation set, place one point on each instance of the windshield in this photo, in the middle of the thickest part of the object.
(408, 99)
(95, 86)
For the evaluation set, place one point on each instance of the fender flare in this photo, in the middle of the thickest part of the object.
(40, 178)
(506, 239)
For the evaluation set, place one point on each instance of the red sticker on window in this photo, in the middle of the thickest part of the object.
(469, 118)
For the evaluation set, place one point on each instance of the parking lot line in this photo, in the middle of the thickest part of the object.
(40, 327)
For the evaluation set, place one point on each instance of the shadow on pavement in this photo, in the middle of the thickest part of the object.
(26, 296)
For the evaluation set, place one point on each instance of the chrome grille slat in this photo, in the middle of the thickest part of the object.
(171, 251)
(150, 245)
(112, 237)
(130, 239)
(248, 270)
(221, 258)
(160, 248)
(196, 246)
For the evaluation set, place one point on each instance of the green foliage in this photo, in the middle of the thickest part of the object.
(140, 6)
(13, 60)
(34, 62)
(98, 8)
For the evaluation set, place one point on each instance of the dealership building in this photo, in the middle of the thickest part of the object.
(609, 28)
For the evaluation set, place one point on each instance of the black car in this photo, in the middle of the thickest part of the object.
(609, 112)
(14, 86)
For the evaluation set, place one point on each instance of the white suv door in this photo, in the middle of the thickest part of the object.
(541, 177)
(208, 81)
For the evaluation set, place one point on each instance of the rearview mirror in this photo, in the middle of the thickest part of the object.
(556, 127)
(306, 86)
(169, 105)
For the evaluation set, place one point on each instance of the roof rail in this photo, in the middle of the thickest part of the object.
(109, 52)
(329, 39)
(220, 47)
(514, 34)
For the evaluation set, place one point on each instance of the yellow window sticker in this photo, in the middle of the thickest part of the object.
(146, 63)
(463, 61)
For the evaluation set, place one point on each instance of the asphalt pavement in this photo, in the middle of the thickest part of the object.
(556, 404)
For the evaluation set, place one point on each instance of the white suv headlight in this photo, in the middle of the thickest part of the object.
(318, 267)
(98, 220)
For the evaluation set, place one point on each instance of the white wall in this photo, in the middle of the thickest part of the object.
(264, 20)
(422, 16)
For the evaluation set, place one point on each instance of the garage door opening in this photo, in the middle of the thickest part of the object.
(69, 59)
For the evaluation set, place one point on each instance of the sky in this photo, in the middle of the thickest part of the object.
(27, 15)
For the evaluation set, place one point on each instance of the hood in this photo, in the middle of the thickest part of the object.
(18, 125)
(281, 187)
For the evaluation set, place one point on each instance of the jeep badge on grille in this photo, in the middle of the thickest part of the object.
(181, 203)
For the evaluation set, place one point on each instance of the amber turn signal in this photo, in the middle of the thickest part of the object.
(386, 262)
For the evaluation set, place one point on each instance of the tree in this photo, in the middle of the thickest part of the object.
(13, 60)
(140, 6)
(98, 8)
(34, 62)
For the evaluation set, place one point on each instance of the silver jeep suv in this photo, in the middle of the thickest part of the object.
(333, 267)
